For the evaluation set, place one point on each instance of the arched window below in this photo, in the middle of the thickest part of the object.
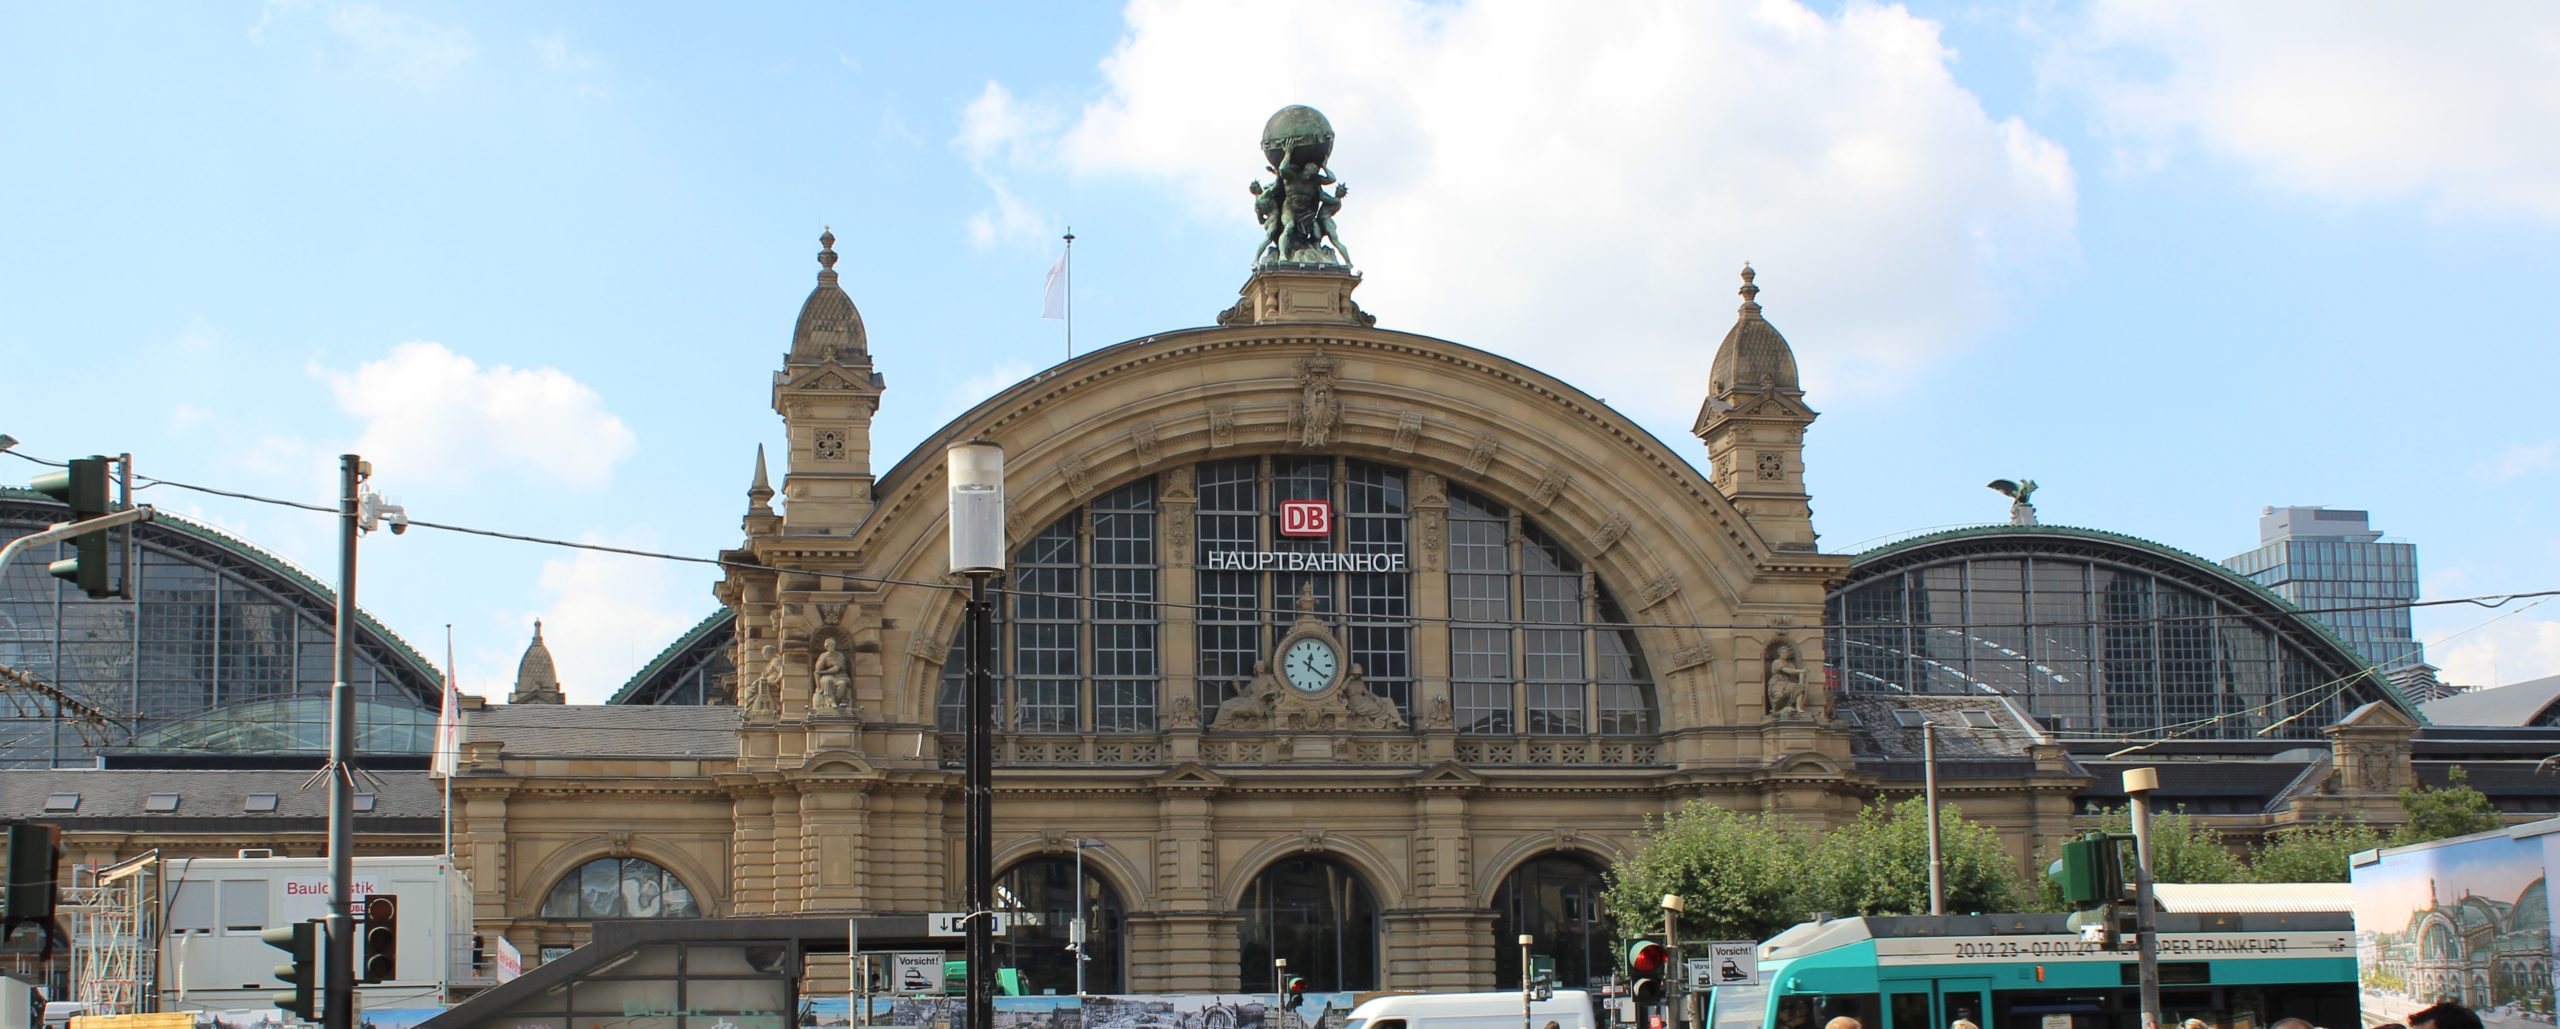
(1317, 914)
(1556, 898)
(620, 888)
(1040, 899)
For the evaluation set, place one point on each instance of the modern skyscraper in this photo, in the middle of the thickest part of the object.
(2336, 565)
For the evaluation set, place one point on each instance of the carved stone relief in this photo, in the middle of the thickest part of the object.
(1144, 442)
(1079, 478)
(1784, 680)
(1222, 426)
(1550, 486)
(1656, 590)
(1408, 432)
(1315, 419)
(1480, 453)
(1608, 534)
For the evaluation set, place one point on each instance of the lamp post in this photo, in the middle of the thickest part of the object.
(1526, 986)
(976, 470)
(1077, 938)
(1929, 780)
(2138, 784)
(1675, 996)
(1280, 992)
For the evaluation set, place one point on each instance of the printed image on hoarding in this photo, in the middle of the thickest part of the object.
(2466, 922)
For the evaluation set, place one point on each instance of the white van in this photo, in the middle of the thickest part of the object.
(1568, 1009)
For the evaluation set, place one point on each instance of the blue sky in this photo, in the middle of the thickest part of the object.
(2174, 261)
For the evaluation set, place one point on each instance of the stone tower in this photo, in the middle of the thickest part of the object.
(1753, 423)
(537, 681)
(826, 394)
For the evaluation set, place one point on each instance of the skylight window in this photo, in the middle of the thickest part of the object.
(1979, 718)
(365, 801)
(1908, 718)
(62, 802)
(160, 803)
(259, 802)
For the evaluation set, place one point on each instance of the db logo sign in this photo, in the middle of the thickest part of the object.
(1306, 518)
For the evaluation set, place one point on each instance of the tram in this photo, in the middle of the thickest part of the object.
(2233, 971)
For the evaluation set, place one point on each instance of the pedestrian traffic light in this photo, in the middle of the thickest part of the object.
(381, 938)
(82, 484)
(2091, 872)
(1646, 958)
(302, 941)
(33, 864)
(1647, 992)
(1295, 991)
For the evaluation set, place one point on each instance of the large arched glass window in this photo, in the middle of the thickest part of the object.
(1244, 613)
(624, 887)
(1082, 615)
(1039, 896)
(1317, 914)
(1534, 641)
(1556, 898)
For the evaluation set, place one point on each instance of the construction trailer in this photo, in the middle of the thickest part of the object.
(213, 909)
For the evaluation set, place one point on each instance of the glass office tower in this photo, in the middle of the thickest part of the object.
(2335, 566)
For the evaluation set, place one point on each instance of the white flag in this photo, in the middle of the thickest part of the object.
(448, 754)
(1054, 304)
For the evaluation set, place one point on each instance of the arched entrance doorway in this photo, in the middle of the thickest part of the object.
(1039, 897)
(1316, 913)
(1555, 898)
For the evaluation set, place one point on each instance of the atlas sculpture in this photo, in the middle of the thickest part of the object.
(1295, 208)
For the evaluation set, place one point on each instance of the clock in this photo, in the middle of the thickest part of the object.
(1310, 665)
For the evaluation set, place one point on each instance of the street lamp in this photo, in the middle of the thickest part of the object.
(1674, 998)
(976, 470)
(1527, 986)
(1076, 938)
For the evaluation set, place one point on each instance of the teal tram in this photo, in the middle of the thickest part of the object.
(2232, 971)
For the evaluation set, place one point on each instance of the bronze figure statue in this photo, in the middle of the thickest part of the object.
(1295, 209)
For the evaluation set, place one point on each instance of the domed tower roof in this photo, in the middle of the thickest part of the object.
(537, 682)
(1754, 356)
(829, 326)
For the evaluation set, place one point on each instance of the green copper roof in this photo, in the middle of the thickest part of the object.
(683, 641)
(278, 565)
(2210, 568)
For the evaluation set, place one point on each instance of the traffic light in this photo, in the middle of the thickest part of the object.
(1295, 991)
(302, 940)
(2091, 875)
(381, 938)
(34, 864)
(1542, 977)
(1646, 959)
(82, 484)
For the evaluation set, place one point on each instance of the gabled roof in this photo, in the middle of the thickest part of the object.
(2516, 704)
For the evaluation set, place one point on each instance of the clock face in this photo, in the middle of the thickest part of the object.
(1309, 665)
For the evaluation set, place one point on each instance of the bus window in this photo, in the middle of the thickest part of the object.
(1816, 1011)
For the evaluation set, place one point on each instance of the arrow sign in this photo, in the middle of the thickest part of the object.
(956, 923)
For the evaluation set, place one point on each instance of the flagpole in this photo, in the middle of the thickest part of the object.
(452, 739)
(1071, 291)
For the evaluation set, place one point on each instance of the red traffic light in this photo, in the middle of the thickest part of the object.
(1297, 991)
(1647, 958)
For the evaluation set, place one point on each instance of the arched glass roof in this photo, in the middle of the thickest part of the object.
(2092, 632)
(219, 629)
(695, 669)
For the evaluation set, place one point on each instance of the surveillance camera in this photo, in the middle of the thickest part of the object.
(399, 522)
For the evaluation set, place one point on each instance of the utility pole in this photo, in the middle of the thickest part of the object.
(2138, 784)
(339, 995)
(1929, 781)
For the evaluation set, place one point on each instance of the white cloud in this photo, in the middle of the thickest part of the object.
(431, 414)
(2508, 650)
(559, 57)
(603, 616)
(1576, 185)
(401, 46)
(2445, 103)
(994, 128)
(2521, 460)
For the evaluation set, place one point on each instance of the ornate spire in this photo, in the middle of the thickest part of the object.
(537, 682)
(760, 492)
(829, 328)
(1750, 293)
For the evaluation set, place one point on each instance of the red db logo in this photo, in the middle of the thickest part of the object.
(1306, 518)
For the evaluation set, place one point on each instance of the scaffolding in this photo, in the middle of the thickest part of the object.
(111, 911)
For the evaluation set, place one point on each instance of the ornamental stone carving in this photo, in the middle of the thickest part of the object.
(1143, 441)
(1222, 426)
(1785, 681)
(832, 696)
(1608, 534)
(1181, 713)
(1408, 432)
(763, 695)
(1656, 590)
(1315, 420)
(1550, 486)
(1480, 453)
(1079, 477)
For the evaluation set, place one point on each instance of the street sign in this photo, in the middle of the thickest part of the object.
(956, 923)
(915, 973)
(1728, 963)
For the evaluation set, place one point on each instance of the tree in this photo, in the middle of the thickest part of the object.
(2456, 810)
(2183, 849)
(2315, 853)
(1879, 865)
(1735, 874)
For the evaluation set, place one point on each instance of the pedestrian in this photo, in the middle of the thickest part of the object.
(2447, 1015)
(1963, 1023)
(1842, 1022)
(2293, 1023)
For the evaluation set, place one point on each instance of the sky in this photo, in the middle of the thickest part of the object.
(537, 262)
